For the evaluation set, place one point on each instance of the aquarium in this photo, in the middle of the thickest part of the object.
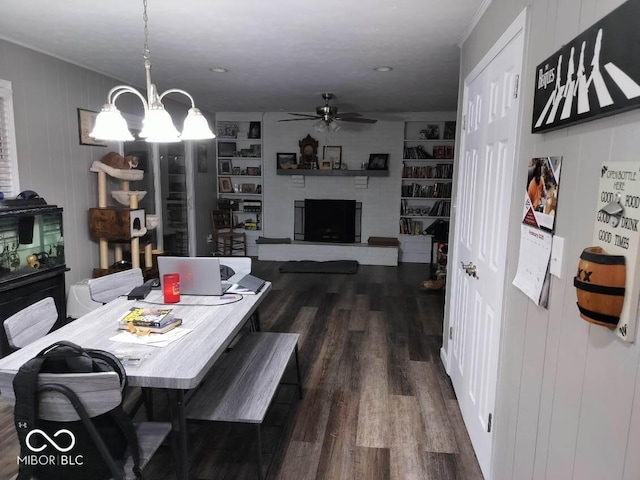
(31, 238)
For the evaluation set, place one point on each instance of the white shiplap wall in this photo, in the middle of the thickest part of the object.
(567, 406)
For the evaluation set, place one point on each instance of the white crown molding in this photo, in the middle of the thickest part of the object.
(474, 21)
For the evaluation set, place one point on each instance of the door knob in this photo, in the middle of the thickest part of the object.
(470, 269)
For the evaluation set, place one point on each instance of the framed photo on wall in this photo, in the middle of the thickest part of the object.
(86, 121)
(378, 161)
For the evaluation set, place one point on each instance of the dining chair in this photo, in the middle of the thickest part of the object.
(226, 240)
(109, 287)
(82, 396)
(31, 323)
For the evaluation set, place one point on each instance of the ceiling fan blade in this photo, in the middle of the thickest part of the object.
(358, 120)
(298, 119)
(348, 114)
(303, 115)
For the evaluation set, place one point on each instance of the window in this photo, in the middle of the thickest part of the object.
(9, 185)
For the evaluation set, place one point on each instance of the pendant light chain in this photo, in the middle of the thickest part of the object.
(146, 54)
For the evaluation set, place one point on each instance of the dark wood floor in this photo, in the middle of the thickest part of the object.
(377, 402)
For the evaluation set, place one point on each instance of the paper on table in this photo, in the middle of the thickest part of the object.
(154, 339)
(533, 263)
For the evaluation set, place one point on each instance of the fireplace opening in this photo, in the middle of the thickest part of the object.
(331, 221)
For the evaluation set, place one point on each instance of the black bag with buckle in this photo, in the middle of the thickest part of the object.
(50, 452)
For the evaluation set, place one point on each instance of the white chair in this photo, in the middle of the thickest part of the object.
(109, 287)
(31, 323)
(82, 396)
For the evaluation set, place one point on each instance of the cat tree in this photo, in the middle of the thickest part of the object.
(114, 224)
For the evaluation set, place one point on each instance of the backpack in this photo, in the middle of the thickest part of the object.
(84, 460)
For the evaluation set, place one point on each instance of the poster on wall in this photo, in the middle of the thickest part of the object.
(541, 192)
(594, 75)
(617, 223)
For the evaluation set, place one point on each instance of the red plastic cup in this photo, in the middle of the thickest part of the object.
(171, 287)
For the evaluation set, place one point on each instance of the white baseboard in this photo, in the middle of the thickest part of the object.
(445, 359)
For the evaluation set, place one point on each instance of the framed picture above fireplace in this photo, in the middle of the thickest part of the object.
(378, 161)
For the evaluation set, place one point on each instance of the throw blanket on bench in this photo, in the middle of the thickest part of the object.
(310, 266)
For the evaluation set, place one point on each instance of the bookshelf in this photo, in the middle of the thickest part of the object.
(427, 173)
(240, 171)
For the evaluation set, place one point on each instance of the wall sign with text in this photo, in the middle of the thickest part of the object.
(617, 231)
(594, 75)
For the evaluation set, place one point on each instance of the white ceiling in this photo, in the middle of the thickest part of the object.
(281, 54)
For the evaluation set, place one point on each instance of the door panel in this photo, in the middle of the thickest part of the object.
(485, 184)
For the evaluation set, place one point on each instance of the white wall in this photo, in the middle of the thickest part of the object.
(46, 94)
(380, 201)
(567, 404)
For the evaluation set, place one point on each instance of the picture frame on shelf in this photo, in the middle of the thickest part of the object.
(225, 185)
(433, 132)
(378, 161)
(253, 171)
(236, 171)
(326, 164)
(247, 188)
(227, 129)
(225, 166)
(226, 149)
(286, 160)
(86, 121)
(449, 132)
(333, 153)
(254, 130)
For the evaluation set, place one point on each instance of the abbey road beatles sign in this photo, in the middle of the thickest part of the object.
(594, 75)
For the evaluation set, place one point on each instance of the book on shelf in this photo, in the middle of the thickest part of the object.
(148, 317)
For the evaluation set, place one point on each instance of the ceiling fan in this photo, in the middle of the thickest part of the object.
(327, 114)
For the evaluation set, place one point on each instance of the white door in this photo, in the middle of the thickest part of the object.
(484, 190)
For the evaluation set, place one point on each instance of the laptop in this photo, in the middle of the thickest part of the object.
(198, 275)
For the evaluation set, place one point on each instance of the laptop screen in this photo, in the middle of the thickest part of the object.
(198, 275)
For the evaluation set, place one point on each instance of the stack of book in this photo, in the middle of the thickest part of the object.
(157, 320)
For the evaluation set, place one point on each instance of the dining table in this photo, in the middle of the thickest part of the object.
(176, 361)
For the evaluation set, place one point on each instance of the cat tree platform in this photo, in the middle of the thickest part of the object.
(120, 173)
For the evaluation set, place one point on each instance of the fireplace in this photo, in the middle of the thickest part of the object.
(330, 221)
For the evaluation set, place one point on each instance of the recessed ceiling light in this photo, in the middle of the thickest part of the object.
(383, 69)
(218, 69)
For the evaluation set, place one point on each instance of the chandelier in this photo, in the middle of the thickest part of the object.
(157, 125)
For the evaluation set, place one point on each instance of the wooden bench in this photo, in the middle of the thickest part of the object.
(241, 386)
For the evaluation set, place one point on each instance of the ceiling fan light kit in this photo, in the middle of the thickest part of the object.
(157, 125)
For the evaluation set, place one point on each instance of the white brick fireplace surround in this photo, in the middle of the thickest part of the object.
(380, 196)
(380, 199)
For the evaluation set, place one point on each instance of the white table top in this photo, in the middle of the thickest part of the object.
(179, 365)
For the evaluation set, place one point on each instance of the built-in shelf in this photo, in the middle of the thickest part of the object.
(333, 173)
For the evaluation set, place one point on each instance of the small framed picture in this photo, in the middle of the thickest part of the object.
(378, 161)
(254, 130)
(286, 160)
(226, 149)
(225, 185)
(334, 154)
(224, 166)
(248, 188)
(326, 164)
(253, 171)
(449, 131)
(227, 129)
(433, 132)
(86, 121)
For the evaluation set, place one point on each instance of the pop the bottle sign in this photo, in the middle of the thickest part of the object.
(618, 232)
